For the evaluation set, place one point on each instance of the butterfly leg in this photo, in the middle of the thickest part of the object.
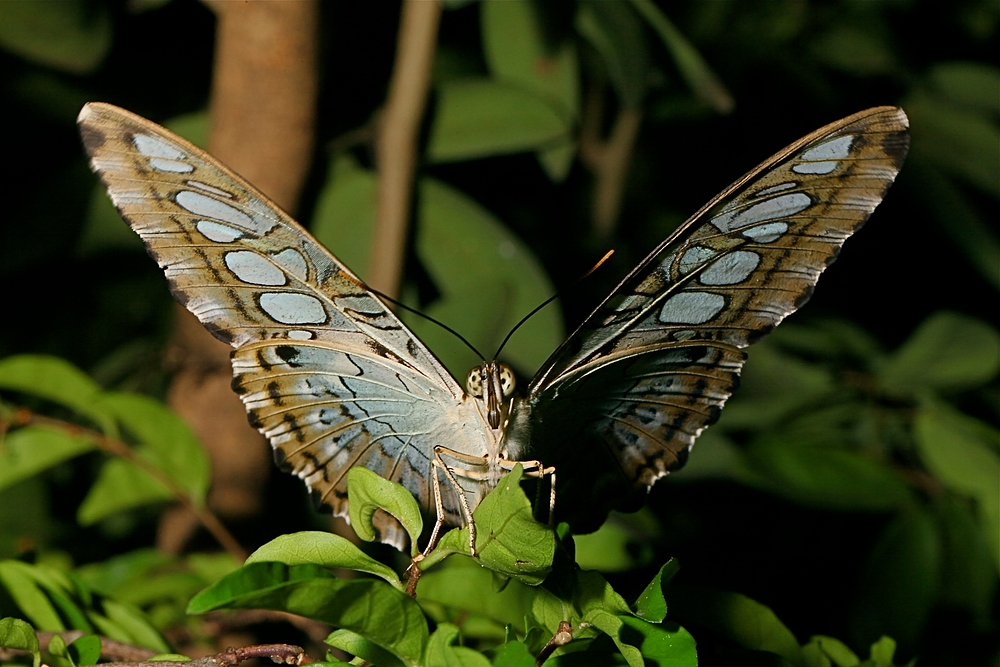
(535, 468)
(439, 463)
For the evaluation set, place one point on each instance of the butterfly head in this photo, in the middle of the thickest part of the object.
(492, 383)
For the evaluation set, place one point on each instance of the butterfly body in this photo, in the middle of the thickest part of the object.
(334, 379)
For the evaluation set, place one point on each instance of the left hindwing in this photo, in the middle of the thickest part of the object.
(653, 365)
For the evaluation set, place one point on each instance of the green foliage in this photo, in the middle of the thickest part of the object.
(837, 422)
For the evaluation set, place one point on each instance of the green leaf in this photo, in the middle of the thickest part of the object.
(134, 627)
(508, 539)
(166, 440)
(969, 572)
(367, 607)
(345, 213)
(900, 582)
(604, 608)
(55, 380)
(513, 654)
(825, 477)
(855, 49)
(442, 651)
(323, 549)
(961, 452)
(16, 634)
(774, 385)
(516, 52)
(356, 645)
(30, 450)
(834, 650)
(456, 237)
(883, 651)
(462, 585)
(738, 618)
(662, 644)
(120, 486)
(971, 229)
(651, 605)
(948, 352)
(20, 583)
(70, 36)
(696, 72)
(971, 84)
(59, 655)
(477, 118)
(368, 492)
(85, 650)
(616, 33)
(620, 544)
(954, 137)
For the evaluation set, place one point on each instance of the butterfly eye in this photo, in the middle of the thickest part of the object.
(474, 383)
(507, 381)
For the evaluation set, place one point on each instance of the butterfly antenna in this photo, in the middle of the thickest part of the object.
(552, 298)
(429, 319)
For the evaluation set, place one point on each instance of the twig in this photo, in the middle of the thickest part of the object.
(212, 524)
(396, 144)
(563, 636)
(607, 159)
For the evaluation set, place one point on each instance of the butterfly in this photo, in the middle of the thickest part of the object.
(333, 378)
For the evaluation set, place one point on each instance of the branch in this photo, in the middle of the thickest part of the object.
(607, 159)
(24, 417)
(396, 144)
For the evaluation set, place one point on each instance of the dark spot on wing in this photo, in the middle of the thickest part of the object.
(288, 354)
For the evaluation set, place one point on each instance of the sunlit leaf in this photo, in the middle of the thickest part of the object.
(369, 492)
(18, 581)
(167, 442)
(356, 645)
(120, 486)
(651, 605)
(324, 549)
(442, 650)
(85, 650)
(56, 380)
(367, 607)
(30, 450)
(462, 584)
(508, 539)
(16, 634)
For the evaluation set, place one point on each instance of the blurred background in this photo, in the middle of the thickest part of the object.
(852, 484)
